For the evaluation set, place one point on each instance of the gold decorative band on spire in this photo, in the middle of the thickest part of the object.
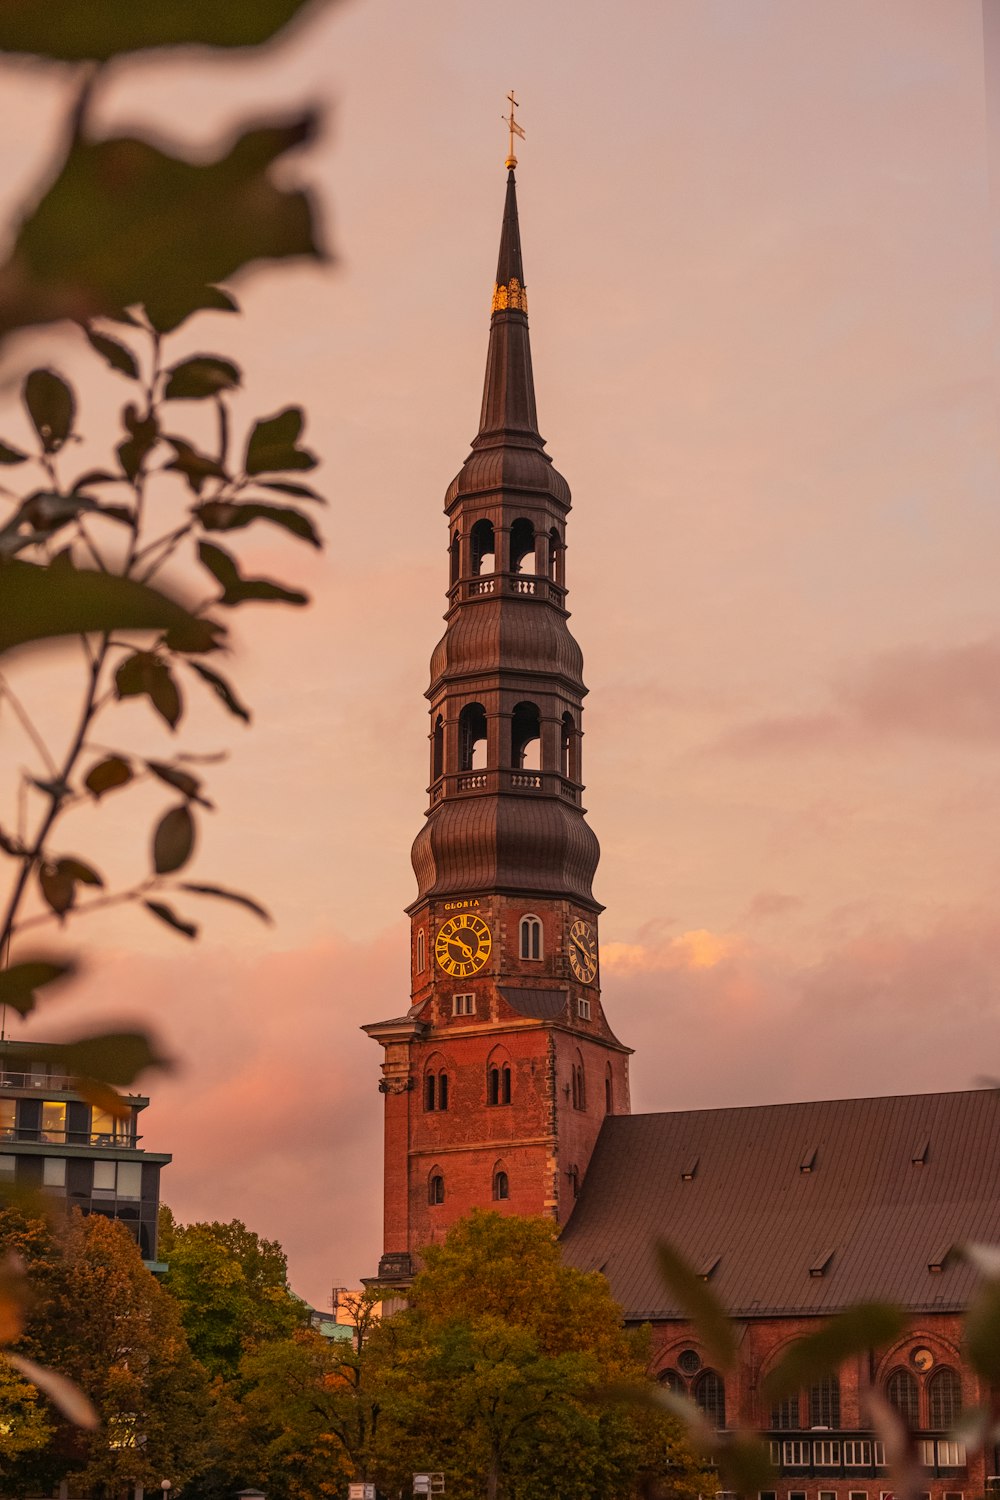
(511, 297)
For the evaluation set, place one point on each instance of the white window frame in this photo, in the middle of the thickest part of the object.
(775, 1446)
(583, 1007)
(951, 1455)
(827, 1495)
(463, 1005)
(851, 1446)
(421, 951)
(857, 1495)
(532, 934)
(826, 1453)
(878, 1455)
(796, 1454)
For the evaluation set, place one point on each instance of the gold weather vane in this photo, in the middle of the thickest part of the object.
(514, 129)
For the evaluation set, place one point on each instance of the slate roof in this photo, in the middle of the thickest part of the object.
(539, 1005)
(873, 1191)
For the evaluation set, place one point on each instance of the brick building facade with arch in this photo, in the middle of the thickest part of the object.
(506, 1087)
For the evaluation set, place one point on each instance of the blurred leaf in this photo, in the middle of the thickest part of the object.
(61, 1392)
(173, 840)
(103, 28)
(117, 356)
(699, 1305)
(96, 476)
(124, 223)
(226, 515)
(38, 602)
(51, 407)
(112, 1057)
(103, 1096)
(196, 467)
(19, 983)
(76, 869)
(870, 1325)
(143, 434)
(222, 690)
(982, 1331)
(288, 488)
(171, 312)
(56, 788)
(182, 781)
(236, 588)
(168, 915)
(58, 888)
(11, 845)
(272, 445)
(9, 455)
(107, 774)
(146, 673)
(224, 895)
(985, 1259)
(743, 1464)
(201, 376)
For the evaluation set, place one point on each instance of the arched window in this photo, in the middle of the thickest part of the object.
(672, 1380)
(785, 1414)
(557, 553)
(430, 1091)
(710, 1394)
(498, 1081)
(531, 937)
(579, 1088)
(435, 1188)
(525, 737)
(609, 1091)
(483, 548)
(501, 1184)
(522, 546)
(435, 1085)
(472, 738)
(437, 749)
(944, 1397)
(824, 1402)
(567, 748)
(421, 951)
(442, 1091)
(901, 1391)
(574, 1181)
(455, 560)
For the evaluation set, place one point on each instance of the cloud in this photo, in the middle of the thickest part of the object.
(698, 949)
(771, 904)
(948, 693)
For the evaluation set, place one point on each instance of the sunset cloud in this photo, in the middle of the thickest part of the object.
(699, 949)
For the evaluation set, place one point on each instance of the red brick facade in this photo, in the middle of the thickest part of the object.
(838, 1457)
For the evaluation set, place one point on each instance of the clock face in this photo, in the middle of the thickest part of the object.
(921, 1359)
(463, 945)
(583, 951)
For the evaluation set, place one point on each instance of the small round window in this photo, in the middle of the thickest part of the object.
(689, 1361)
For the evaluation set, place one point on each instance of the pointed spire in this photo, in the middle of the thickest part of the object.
(509, 390)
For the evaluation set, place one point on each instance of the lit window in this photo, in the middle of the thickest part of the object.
(463, 1005)
(130, 1179)
(54, 1172)
(531, 937)
(53, 1121)
(8, 1110)
(583, 1008)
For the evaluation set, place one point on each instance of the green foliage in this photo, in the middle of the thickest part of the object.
(232, 1290)
(104, 28)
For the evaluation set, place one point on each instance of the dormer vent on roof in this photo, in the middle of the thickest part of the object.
(941, 1258)
(690, 1171)
(708, 1267)
(821, 1264)
(808, 1162)
(920, 1154)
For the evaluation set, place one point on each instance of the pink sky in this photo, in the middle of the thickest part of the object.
(760, 251)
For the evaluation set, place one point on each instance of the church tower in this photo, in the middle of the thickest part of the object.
(498, 1078)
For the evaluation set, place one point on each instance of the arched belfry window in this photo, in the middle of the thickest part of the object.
(569, 748)
(709, 1392)
(525, 737)
(472, 738)
(498, 1078)
(609, 1091)
(455, 559)
(435, 1187)
(435, 1087)
(421, 955)
(483, 548)
(501, 1183)
(522, 546)
(578, 1083)
(437, 749)
(531, 937)
(902, 1392)
(944, 1399)
(557, 555)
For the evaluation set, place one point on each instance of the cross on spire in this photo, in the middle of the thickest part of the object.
(514, 129)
